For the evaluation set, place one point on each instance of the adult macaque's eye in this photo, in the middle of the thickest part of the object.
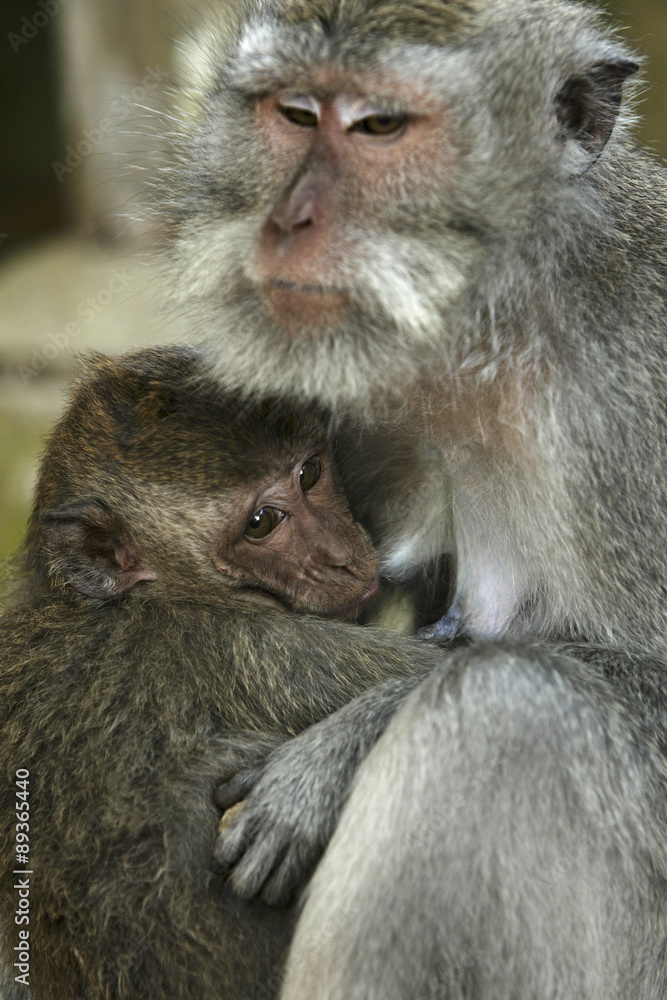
(299, 116)
(380, 124)
(310, 473)
(263, 522)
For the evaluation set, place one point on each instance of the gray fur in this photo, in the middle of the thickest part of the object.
(500, 379)
(513, 280)
(530, 761)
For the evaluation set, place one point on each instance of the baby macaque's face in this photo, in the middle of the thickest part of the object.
(292, 535)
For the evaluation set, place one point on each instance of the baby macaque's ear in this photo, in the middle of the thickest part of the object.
(92, 551)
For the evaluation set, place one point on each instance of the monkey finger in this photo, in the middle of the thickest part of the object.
(444, 631)
(229, 815)
(288, 877)
(256, 866)
(232, 842)
(239, 787)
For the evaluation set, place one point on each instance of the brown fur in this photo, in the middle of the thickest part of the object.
(128, 706)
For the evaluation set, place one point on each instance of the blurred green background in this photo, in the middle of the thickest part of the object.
(75, 76)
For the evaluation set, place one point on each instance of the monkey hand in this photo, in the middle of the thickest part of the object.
(294, 797)
(291, 803)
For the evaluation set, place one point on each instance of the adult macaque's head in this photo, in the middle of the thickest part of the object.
(364, 179)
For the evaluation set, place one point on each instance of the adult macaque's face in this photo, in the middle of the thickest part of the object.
(343, 159)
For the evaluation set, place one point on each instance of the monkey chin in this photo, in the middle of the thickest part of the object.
(304, 311)
(349, 611)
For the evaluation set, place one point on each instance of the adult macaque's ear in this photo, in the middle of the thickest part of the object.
(91, 550)
(587, 106)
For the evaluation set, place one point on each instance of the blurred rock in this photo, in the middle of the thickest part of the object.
(58, 300)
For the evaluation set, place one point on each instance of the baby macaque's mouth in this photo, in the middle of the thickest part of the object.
(348, 611)
(371, 593)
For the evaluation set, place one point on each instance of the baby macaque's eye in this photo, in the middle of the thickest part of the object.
(310, 473)
(263, 522)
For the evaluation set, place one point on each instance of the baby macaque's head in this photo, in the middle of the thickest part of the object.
(155, 479)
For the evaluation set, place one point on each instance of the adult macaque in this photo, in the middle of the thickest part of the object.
(146, 651)
(429, 217)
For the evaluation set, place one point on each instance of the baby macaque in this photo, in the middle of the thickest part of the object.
(147, 655)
